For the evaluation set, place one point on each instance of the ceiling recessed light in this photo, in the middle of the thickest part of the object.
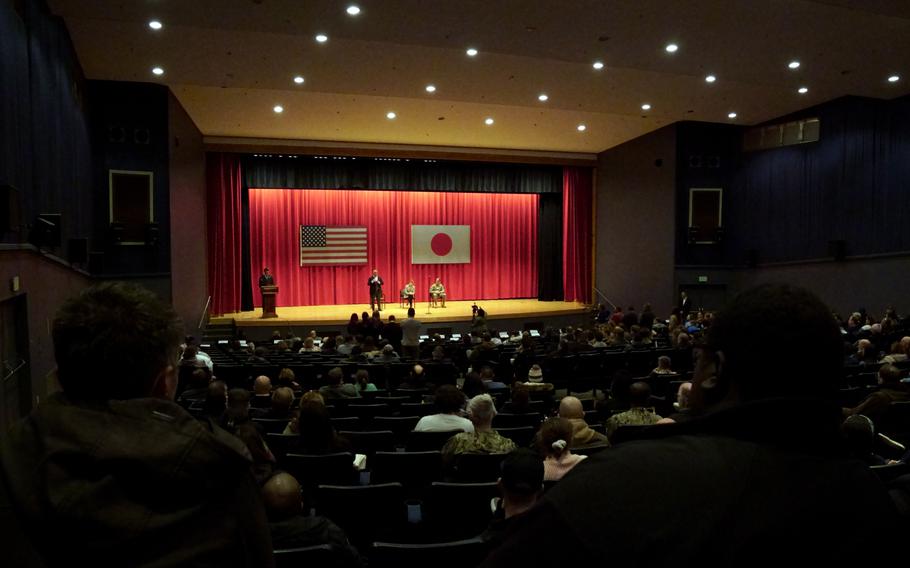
(298, 79)
(793, 65)
(391, 115)
(278, 109)
(894, 78)
(322, 38)
(353, 10)
(156, 25)
(598, 65)
(488, 121)
(671, 48)
(731, 115)
(710, 78)
(431, 88)
(646, 106)
(471, 52)
(157, 70)
(542, 97)
(803, 90)
(582, 127)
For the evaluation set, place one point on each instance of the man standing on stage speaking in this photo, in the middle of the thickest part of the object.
(375, 283)
(266, 279)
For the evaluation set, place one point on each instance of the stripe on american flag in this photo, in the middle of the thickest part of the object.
(321, 244)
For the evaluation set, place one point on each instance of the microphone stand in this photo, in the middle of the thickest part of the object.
(429, 302)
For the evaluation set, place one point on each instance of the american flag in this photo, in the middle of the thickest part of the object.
(332, 245)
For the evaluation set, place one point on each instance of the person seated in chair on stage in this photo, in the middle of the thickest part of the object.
(438, 292)
(407, 293)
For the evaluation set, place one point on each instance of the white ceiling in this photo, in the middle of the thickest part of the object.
(230, 61)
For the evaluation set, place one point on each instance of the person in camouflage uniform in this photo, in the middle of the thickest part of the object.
(639, 415)
(483, 440)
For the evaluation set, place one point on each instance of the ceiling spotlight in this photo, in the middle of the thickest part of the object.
(598, 65)
(803, 90)
(298, 79)
(710, 78)
(322, 38)
(471, 52)
(353, 10)
(894, 78)
(646, 106)
(793, 65)
(278, 109)
(431, 88)
(488, 121)
(671, 48)
(156, 25)
(158, 71)
(542, 97)
(582, 127)
(391, 115)
(731, 115)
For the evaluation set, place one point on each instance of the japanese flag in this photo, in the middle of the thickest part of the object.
(440, 244)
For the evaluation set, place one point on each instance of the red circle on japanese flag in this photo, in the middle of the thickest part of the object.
(441, 244)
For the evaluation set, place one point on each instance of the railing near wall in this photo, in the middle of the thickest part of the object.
(204, 318)
(607, 300)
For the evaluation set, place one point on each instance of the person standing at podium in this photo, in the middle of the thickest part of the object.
(268, 303)
(375, 283)
(266, 279)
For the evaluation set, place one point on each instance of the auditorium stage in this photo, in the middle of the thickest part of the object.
(501, 314)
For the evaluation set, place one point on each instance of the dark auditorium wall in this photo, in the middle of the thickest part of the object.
(189, 250)
(47, 284)
(788, 204)
(44, 139)
(129, 124)
(636, 184)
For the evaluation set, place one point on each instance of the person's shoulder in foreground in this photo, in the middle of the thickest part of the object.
(110, 471)
(760, 477)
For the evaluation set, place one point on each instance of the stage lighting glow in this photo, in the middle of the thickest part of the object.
(322, 38)
(710, 79)
(582, 127)
(391, 115)
(542, 97)
(353, 10)
(278, 109)
(731, 115)
(488, 121)
(598, 65)
(298, 79)
(646, 106)
(156, 25)
(158, 71)
(793, 65)
(803, 90)
(471, 52)
(894, 78)
(431, 88)
(672, 48)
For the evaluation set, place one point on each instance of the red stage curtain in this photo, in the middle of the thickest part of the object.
(224, 182)
(577, 226)
(503, 243)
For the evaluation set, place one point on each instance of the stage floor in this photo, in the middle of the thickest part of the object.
(339, 315)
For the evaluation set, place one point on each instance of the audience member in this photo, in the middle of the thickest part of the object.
(362, 381)
(291, 527)
(663, 366)
(520, 486)
(520, 401)
(99, 474)
(449, 402)
(262, 392)
(316, 433)
(410, 336)
(571, 409)
(282, 400)
(641, 414)
(483, 439)
(891, 390)
(763, 469)
(554, 443)
(337, 388)
(473, 385)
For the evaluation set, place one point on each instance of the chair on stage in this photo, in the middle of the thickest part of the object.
(404, 298)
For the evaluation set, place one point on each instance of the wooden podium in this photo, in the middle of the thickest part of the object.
(268, 301)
